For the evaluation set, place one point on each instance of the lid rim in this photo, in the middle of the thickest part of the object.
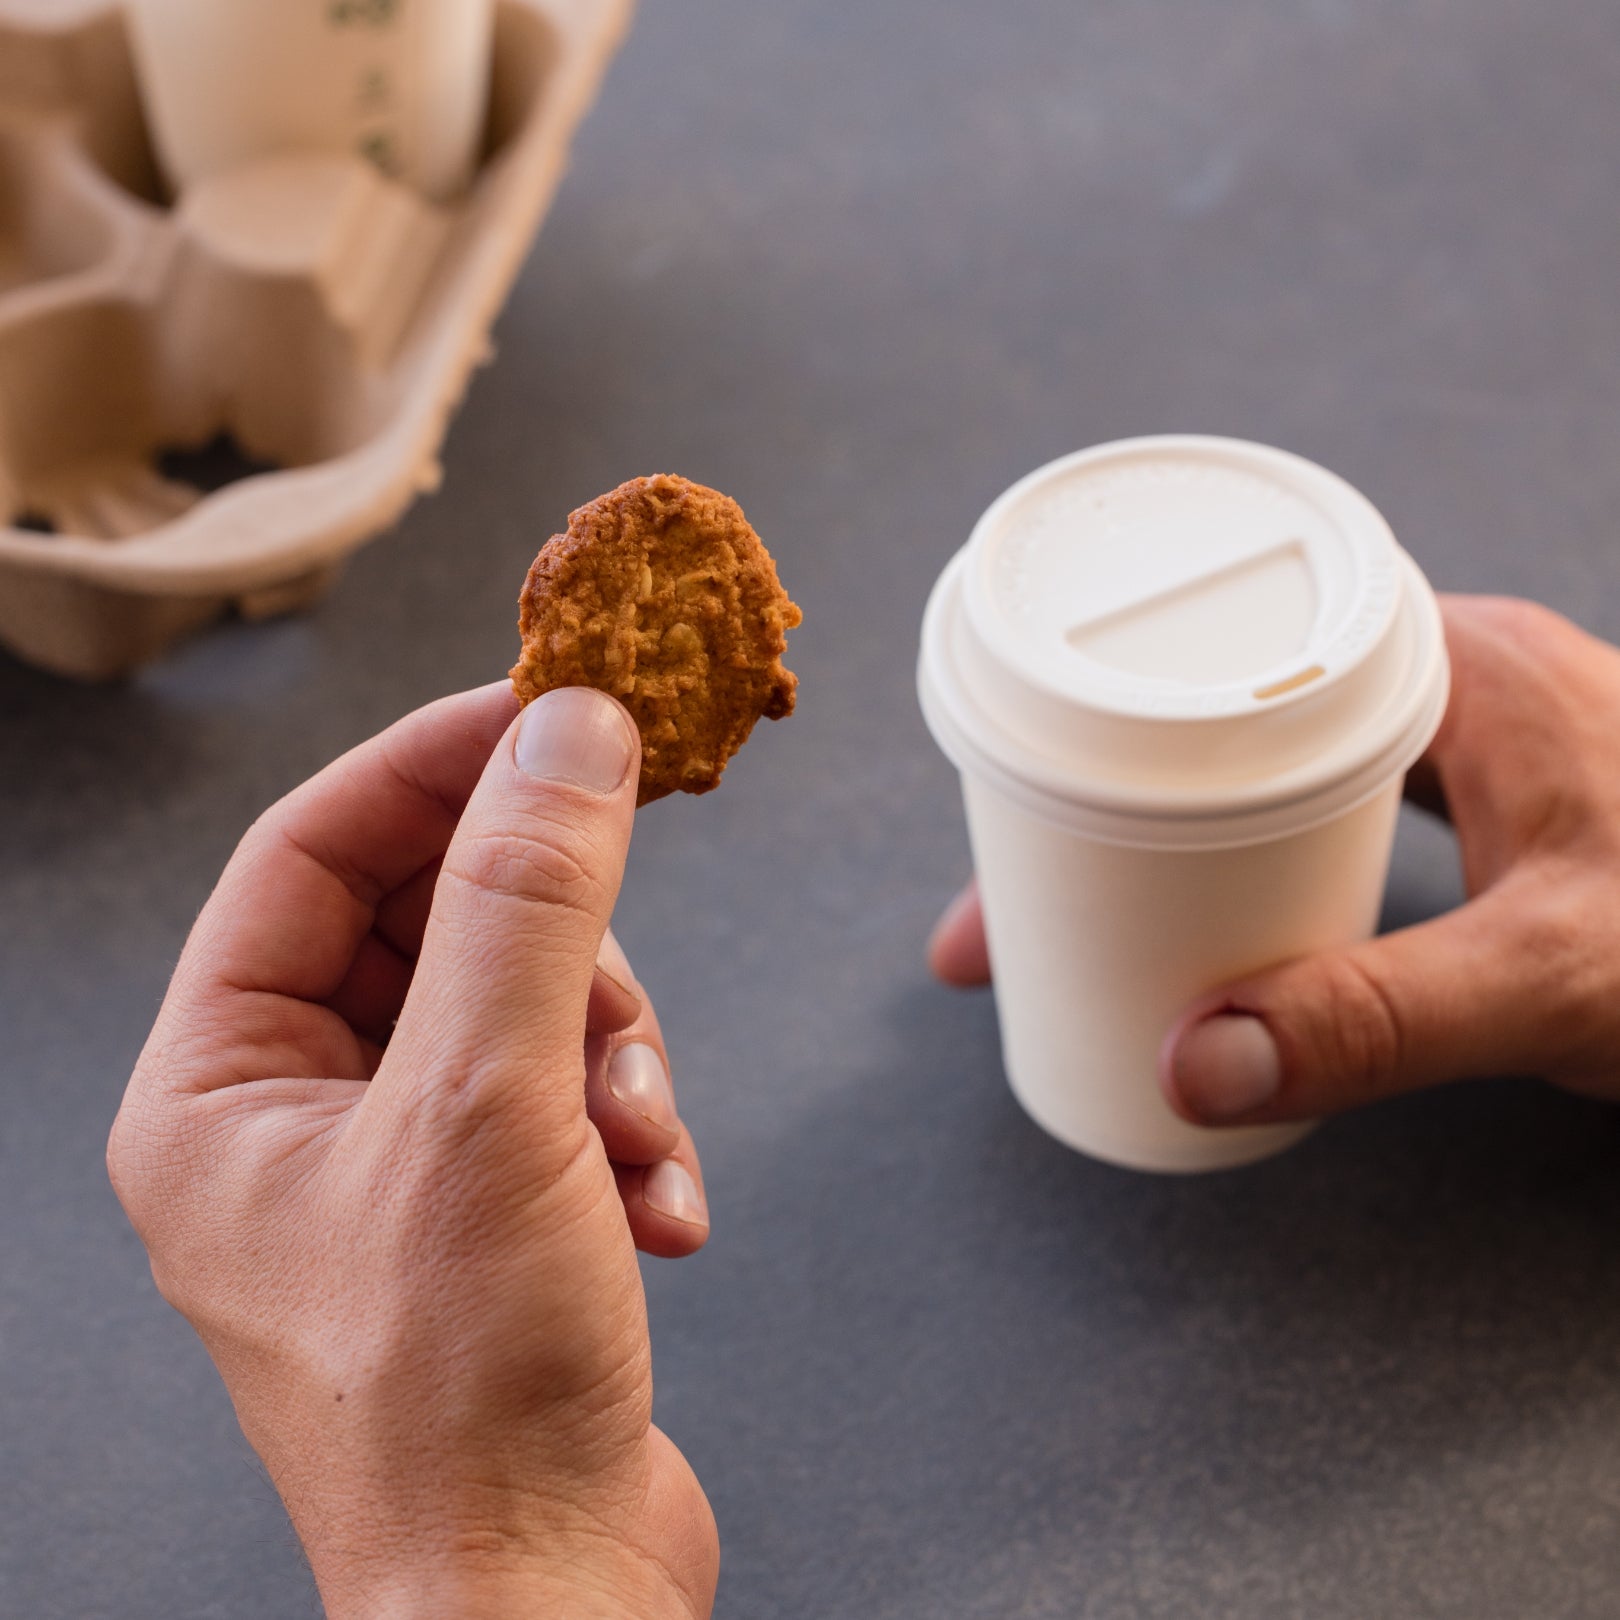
(1148, 698)
(1264, 813)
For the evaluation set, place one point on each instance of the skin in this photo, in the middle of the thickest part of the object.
(409, 1245)
(412, 1254)
(1522, 979)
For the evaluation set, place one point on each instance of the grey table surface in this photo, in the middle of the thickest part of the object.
(863, 265)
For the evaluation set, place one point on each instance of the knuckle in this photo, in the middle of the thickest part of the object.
(1357, 1035)
(1568, 951)
(263, 833)
(160, 1164)
(1526, 621)
(120, 1166)
(1549, 643)
(1555, 934)
(130, 1163)
(171, 1289)
(1533, 618)
(548, 865)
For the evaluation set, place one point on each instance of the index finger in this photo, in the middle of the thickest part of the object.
(1531, 696)
(302, 890)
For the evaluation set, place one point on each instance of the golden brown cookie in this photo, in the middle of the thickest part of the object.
(661, 594)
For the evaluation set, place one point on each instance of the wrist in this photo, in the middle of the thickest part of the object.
(565, 1587)
(398, 1542)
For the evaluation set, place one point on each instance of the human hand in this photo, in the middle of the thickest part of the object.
(1523, 979)
(412, 1254)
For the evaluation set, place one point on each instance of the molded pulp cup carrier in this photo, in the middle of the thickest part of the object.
(1183, 679)
(312, 303)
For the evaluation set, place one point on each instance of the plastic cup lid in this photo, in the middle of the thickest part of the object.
(1183, 641)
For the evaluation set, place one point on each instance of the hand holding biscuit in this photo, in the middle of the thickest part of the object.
(660, 593)
(401, 1123)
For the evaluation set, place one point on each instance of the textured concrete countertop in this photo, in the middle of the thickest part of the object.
(862, 265)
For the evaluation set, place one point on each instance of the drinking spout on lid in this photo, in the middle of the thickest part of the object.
(1230, 623)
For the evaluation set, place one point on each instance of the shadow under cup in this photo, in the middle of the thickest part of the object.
(1183, 679)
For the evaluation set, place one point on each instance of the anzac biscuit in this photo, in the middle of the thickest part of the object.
(662, 594)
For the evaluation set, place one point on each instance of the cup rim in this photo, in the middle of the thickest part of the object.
(1294, 801)
(1361, 526)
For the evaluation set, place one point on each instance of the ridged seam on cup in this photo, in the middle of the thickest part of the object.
(1296, 803)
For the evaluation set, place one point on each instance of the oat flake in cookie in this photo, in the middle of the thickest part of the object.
(662, 594)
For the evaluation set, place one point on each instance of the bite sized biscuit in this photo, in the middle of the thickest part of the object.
(660, 593)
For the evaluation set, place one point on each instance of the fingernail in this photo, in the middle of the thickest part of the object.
(672, 1192)
(637, 1077)
(1226, 1066)
(575, 735)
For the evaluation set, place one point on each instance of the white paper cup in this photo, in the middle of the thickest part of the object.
(402, 82)
(1183, 679)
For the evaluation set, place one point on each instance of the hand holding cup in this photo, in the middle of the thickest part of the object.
(1523, 979)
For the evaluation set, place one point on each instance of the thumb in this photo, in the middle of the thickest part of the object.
(495, 1017)
(1443, 1001)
